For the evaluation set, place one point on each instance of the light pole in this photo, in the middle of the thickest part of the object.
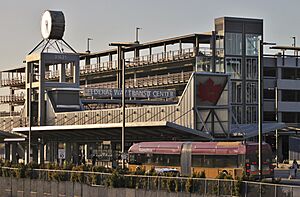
(120, 46)
(260, 100)
(31, 69)
(88, 45)
(137, 34)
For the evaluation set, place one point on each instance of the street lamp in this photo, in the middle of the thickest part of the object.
(260, 100)
(121, 61)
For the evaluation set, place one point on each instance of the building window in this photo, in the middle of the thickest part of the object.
(220, 65)
(291, 95)
(236, 91)
(270, 72)
(269, 94)
(233, 43)
(251, 92)
(237, 114)
(290, 117)
(251, 114)
(251, 68)
(203, 64)
(252, 44)
(270, 116)
(291, 73)
(234, 67)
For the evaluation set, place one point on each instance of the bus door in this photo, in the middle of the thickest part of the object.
(186, 159)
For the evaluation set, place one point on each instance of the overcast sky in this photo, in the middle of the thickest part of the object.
(115, 20)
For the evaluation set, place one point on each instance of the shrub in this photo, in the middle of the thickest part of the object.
(116, 180)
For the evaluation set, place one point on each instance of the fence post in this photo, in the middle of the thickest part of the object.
(231, 186)
(260, 192)
(218, 187)
(158, 181)
(205, 185)
(275, 191)
(246, 188)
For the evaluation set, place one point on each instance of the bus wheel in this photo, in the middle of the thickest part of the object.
(225, 172)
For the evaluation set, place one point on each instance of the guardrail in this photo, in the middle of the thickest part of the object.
(203, 186)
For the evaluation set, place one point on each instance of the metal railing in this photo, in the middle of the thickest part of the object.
(156, 80)
(203, 186)
(13, 98)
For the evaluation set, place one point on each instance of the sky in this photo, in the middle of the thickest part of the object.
(108, 21)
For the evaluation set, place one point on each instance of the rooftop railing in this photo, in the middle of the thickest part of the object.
(169, 56)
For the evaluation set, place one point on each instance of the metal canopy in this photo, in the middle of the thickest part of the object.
(251, 130)
(11, 134)
(141, 131)
(190, 38)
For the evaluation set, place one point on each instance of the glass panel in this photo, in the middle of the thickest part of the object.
(269, 116)
(236, 91)
(220, 65)
(251, 113)
(269, 94)
(236, 114)
(234, 67)
(252, 44)
(157, 159)
(251, 68)
(251, 92)
(291, 73)
(215, 161)
(203, 64)
(233, 43)
(269, 72)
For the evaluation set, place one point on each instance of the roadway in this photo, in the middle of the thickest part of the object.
(284, 175)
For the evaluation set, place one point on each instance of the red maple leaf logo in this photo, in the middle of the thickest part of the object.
(209, 91)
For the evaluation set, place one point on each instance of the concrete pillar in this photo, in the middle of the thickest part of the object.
(11, 106)
(280, 155)
(86, 152)
(68, 151)
(87, 61)
(35, 152)
(213, 46)
(62, 73)
(41, 93)
(75, 153)
(196, 46)
(52, 151)
(12, 152)
(7, 151)
(180, 47)
(41, 155)
(26, 154)
(76, 73)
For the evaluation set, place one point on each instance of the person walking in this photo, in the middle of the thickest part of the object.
(94, 158)
(295, 167)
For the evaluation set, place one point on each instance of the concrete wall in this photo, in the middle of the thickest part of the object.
(13, 187)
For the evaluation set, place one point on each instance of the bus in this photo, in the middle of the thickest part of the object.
(212, 158)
